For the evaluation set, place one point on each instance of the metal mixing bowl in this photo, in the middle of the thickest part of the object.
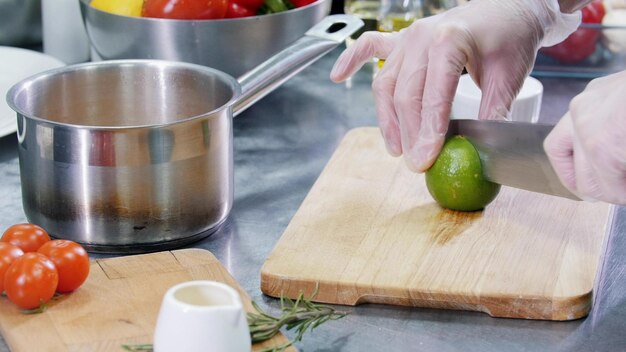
(234, 46)
(20, 22)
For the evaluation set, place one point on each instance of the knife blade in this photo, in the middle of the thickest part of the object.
(512, 154)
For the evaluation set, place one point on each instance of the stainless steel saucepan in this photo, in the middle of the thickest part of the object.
(137, 155)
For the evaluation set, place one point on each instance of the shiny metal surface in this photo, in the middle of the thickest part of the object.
(281, 145)
(136, 155)
(512, 154)
(126, 156)
(234, 46)
(317, 41)
(20, 22)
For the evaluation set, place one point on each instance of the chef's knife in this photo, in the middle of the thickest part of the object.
(512, 154)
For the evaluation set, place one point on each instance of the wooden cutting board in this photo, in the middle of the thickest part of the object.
(369, 232)
(117, 305)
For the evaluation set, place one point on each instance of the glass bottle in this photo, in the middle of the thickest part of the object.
(397, 14)
(367, 10)
(435, 7)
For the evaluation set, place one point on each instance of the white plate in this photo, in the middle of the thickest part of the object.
(15, 65)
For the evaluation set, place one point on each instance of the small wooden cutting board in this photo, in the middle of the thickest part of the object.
(369, 232)
(117, 305)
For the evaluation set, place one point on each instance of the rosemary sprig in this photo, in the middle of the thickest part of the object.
(301, 315)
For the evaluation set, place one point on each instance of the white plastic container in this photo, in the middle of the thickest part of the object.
(525, 107)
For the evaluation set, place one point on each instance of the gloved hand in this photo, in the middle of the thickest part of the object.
(496, 40)
(586, 147)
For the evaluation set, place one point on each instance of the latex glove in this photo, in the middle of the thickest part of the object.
(496, 40)
(586, 147)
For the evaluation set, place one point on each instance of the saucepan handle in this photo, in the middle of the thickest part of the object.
(317, 41)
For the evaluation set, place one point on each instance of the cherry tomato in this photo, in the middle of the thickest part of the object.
(582, 43)
(301, 3)
(185, 9)
(8, 254)
(71, 261)
(236, 11)
(29, 237)
(31, 280)
(252, 5)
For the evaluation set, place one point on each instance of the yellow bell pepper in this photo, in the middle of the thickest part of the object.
(119, 7)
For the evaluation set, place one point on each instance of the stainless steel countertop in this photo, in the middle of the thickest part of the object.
(282, 144)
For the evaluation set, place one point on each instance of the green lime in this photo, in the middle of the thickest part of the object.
(456, 178)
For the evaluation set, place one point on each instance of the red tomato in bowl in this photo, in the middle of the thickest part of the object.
(8, 254)
(237, 11)
(29, 237)
(582, 43)
(252, 5)
(185, 9)
(301, 3)
(71, 261)
(31, 281)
